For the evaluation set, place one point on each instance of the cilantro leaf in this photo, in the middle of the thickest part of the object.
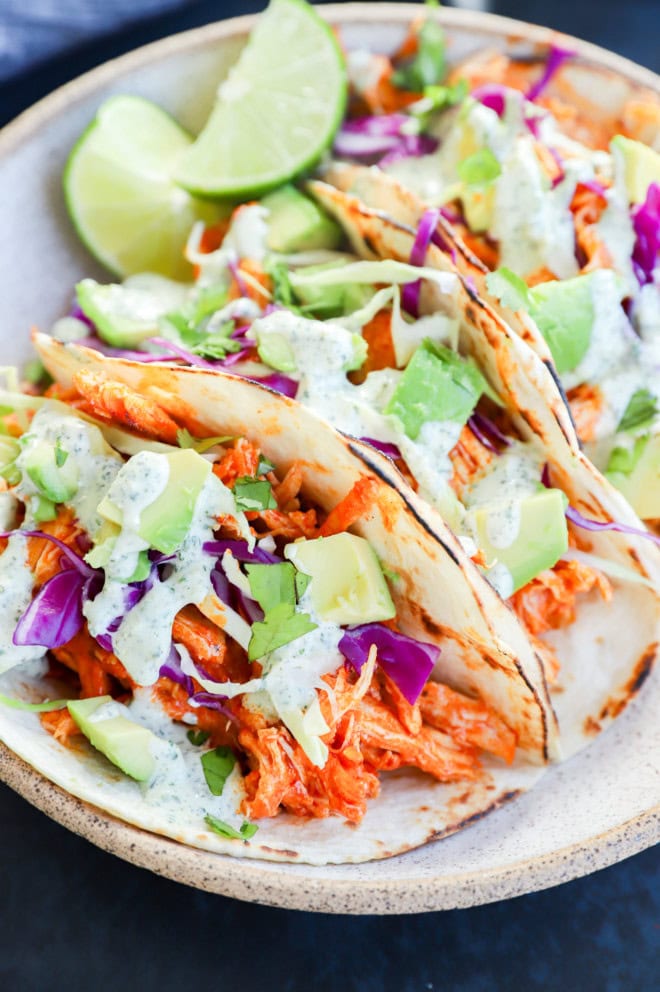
(218, 765)
(479, 169)
(282, 290)
(302, 581)
(642, 408)
(185, 440)
(428, 66)
(509, 288)
(198, 737)
(217, 345)
(624, 460)
(280, 626)
(435, 99)
(224, 830)
(265, 466)
(272, 585)
(253, 494)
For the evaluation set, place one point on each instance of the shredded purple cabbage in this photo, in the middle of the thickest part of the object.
(240, 551)
(381, 137)
(646, 222)
(237, 277)
(407, 662)
(488, 433)
(132, 356)
(278, 382)
(561, 175)
(79, 563)
(212, 702)
(384, 447)
(556, 58)
(425, 236)
(55, 614)
(597, 525)
(410, 146)
(171, 669)
(492, 95)
(79, 314)
(410, 297)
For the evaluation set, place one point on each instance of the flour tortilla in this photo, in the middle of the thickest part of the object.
(440, 597)
(601, 668)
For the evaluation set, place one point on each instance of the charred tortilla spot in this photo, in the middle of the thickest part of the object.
(641, 672)
(506, 797)
(591, 727)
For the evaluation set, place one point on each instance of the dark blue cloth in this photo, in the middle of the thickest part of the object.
(74, 918)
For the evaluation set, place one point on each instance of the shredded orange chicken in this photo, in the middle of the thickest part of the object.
(548, 602)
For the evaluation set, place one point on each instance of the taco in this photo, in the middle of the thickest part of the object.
(259, 635)
(546, 181)
(411, 360)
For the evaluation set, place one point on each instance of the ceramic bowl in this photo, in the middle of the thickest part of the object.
(601, 806)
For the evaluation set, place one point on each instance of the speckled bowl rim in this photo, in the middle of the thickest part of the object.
(264, 882)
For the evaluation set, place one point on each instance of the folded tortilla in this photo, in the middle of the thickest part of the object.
(602, 667)
(440, 597)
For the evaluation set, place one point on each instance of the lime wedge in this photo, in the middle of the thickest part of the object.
(120, 194)
(277, 111)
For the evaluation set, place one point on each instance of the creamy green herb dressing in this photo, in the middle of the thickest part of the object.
(532, 222)
(142, 642)
(178, 781)
(141, 480)
(16, 582)
(97, 463)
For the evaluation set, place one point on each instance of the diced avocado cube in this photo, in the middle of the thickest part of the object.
(165, 522)
(57, 482)
(564, 313)
(296, 223)
(478, 207)
(126, 315)
(275, 350)
(641, 166)
(10, 449)
(347, 584)
(640, 483)
(125, 743)
(437, 385)
(525, 535)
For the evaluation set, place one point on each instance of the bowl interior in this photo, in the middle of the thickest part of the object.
(595, 809)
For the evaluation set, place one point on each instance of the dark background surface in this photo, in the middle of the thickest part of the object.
(74, 918)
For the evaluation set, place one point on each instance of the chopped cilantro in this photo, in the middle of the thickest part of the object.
(302, 581)
(624, 460)
(198, 737)
(272, 585)
(282, 290)
(641, 410)
(218, 765)
(246, 831)
(280, 626)
(435, 99)
(428, 66)
(265, 466)
(253, 494)
(479, 169)
(185, 440)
